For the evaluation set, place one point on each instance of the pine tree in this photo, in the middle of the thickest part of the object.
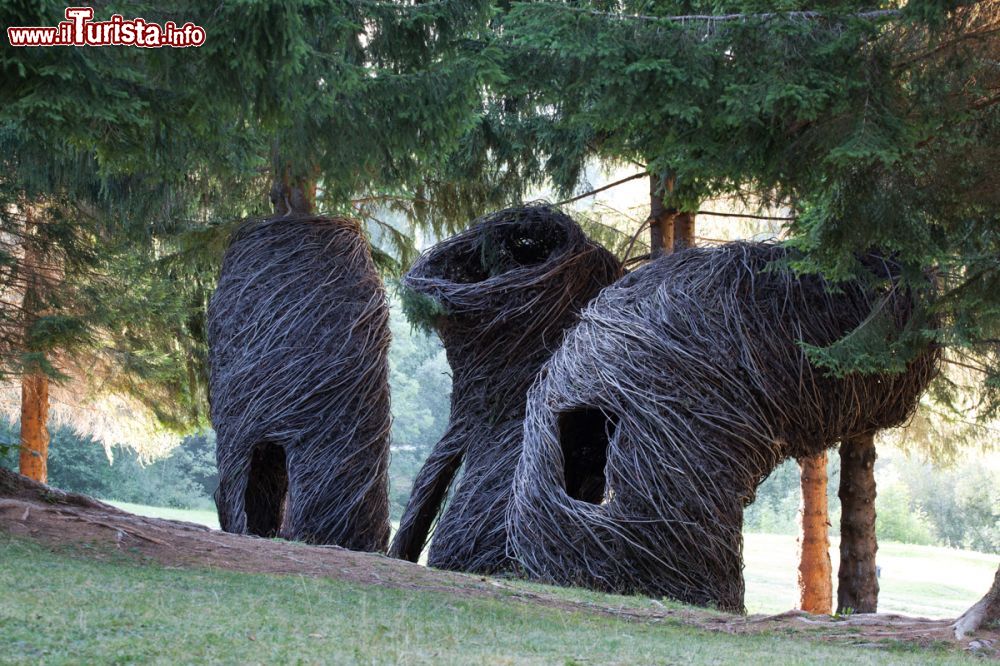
(355, 107)
(857, 588)
(93, 189)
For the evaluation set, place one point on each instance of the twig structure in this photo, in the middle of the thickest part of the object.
(683, 386)
(500, 295)
(298, 334)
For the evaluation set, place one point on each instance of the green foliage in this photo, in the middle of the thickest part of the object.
(708, 103)
(420, 378)
(877, 129)
(776, 507)
(917, 502)
(9, 446)
(185, 478)
(420, 310)
(898, 520)
(875, 344)
(779, 500)
(961, 503)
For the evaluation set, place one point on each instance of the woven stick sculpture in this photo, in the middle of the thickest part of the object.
(680, 390)
(500, 296)
(299, 338)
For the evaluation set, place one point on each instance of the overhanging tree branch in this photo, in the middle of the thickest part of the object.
(745, 215)
(591, 193)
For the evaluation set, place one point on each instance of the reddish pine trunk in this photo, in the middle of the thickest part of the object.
(815, 569)
(34, 440)
(669, 229)
(857, 588)
(683, 231)
(661, 221)
(292, 195)
(34, 431)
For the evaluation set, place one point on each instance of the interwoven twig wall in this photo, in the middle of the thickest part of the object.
(502, 294)
(299, 338)
(680, 390)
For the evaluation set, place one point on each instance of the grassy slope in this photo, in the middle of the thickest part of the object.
(60, 609)
(916, 580)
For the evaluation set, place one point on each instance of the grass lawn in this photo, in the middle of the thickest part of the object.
(202, 517)
(62, 608)
(924, 581)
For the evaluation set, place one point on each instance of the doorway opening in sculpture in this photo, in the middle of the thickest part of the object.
(266, 499)
(585, 435)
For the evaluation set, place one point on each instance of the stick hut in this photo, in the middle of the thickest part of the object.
(500, 295)
(683, 386)
(299, 338)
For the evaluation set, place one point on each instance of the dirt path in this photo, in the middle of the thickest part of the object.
(65, 520)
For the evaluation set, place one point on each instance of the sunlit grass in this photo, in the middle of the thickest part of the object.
(926, 581)
(60, 608)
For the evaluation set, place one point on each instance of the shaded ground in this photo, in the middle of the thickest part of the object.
(76, 523)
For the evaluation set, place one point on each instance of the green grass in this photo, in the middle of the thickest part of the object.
(200, 516)
(63, 608)
(925, 581)
(916, 580)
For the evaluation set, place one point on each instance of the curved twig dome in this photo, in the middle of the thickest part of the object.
(683, 386)
(298, 338)
(500, 295)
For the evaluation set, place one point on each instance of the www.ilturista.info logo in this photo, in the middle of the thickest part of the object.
(80, 30)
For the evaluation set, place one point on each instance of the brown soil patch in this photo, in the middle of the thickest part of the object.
(66, 520)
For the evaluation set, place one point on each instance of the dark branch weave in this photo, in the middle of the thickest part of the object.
(502, 294)
(680, 390)
(299, 337)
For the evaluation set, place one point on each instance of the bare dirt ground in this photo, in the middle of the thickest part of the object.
(65, 521)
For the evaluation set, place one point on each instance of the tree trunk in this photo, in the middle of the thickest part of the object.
(985, 612)
(293, 198)
(683, 231)
(291, 192)
(815, 569)
(857, 588)
(34, 429)
(661, 220)
(34, 439)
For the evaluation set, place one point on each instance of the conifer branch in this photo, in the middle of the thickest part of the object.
(745, 215)
(709, 18)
